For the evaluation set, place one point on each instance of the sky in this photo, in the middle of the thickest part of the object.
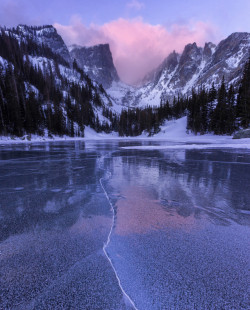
(141, 33)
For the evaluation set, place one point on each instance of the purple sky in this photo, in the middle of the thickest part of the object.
(141, 33)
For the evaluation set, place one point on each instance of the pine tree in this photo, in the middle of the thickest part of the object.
(212, 95)
(220, 112)
(203, 100)
(243, 99)
(231, 111)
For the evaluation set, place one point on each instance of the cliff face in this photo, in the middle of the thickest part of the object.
(97, 62)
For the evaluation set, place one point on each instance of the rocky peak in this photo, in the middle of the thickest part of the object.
(97, 62)
(171, 61)
(208, 50)
(166, 67)
(36, 29)
(189, 62)
(231, 45)
(197, 66)
(191, 53)
(228, 59)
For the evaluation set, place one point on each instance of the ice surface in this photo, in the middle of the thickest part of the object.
(189, 146)
(83, 224)
(178, 224)
(54, 221)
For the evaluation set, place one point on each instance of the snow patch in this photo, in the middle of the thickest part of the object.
(3, 62)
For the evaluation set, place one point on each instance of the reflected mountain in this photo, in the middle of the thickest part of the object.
(210, 184)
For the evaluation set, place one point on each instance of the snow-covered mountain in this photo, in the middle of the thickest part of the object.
(46, 87)
(195, 67)
(97, 62)
(43, 35)
(176, 76)
(228, 60)
(37, 60)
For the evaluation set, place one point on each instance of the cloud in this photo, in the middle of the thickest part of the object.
(135, 4)
(137, 47)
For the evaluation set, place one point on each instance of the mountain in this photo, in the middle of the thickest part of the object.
(197, 67)
(46, 88)
(228, 60)
(46, 35)
(169, 64)
(194, 68)
(41, 90)
(97, 62)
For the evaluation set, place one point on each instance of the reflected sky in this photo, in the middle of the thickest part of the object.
(180, 238)
(140, 212)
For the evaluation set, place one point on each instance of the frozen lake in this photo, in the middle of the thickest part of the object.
(124, 225)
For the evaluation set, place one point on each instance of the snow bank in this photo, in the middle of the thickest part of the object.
(90, 134)
(175, 131)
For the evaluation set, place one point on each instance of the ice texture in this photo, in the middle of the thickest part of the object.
(102, 225)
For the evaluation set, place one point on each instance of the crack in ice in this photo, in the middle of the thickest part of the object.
(108, 241)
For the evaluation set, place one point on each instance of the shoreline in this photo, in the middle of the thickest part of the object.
(173, 131)
(189, 138)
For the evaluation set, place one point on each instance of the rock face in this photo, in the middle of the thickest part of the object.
(97, 62)
(47, 35)
(164, 71)
(189, 64)
(245, 133)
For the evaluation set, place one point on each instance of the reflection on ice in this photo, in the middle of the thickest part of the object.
(213, 184)
(140, 212)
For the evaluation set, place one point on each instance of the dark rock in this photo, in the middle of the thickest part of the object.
(189, 62)
(97, 62)
(167, 67)
(208, 50)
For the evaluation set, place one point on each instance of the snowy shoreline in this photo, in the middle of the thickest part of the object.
(173, 131)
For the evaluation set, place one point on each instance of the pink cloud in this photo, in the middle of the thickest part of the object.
(137, 47)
